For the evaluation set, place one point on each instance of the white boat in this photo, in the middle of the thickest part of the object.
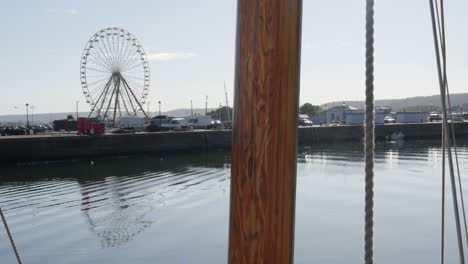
(396, 136)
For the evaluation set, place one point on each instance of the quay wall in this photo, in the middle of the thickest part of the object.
(309, 135)
(37, 148)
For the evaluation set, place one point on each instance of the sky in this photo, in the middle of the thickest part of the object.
(190, 47)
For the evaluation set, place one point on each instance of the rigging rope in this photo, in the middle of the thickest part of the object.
(441, 26)
(369, 135)
(443, 85)
(10, 237)
(442, 222)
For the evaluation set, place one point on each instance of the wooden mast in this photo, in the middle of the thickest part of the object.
(263, 182)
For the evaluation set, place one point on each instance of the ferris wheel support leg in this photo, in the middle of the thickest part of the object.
(110, 99)
(136, 100)
(104, 91)
(116, 104)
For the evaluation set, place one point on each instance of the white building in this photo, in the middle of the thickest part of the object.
(358, 117)
(412, 117)
(339, 112)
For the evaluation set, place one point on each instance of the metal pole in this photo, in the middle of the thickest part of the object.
(326, 119)
(343, 117)
(206, 105)
(27, 115)
(263, 172)
(32, 115)
(191, 108)
(77, 102)
(220, 111)
(227, 103)
(159, 102)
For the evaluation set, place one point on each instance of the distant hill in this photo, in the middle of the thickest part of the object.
(419, 103)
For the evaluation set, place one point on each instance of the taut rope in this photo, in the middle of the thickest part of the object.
(369, 135)
(448, 141)
(10, 237)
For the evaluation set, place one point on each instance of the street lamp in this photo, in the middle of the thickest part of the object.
(77, 102)
(27, 115)
(159, 102)
(206, 105)
(191, 108)
(343, 117)
(32, 114)
(220, 111)
(326, 119)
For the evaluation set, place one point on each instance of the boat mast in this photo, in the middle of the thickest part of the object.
(264, 135)
(227, 103)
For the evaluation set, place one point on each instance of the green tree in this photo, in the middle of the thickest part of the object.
(309, 109)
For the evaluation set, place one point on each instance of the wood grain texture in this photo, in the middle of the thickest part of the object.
(263, 182)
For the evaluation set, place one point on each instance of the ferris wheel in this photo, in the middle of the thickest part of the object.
(115, 74)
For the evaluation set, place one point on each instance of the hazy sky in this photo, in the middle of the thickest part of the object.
(190, 45)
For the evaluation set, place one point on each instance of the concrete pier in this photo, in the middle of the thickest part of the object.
(58, 147)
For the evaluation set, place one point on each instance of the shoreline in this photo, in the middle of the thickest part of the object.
(17, 149)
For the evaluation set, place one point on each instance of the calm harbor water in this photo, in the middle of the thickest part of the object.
(174, 209)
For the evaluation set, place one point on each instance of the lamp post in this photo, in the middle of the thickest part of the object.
(220, 111)
(76, 104)
(343, 117)
(159, 102)
(27, 115)
(326, 119)
(32, 114)
(191, 108)
(206, 105)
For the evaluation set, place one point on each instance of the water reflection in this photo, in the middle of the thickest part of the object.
(174, 209)
(119, 197)
(384, 151)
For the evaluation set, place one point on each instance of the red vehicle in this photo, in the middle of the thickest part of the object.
(86, 126)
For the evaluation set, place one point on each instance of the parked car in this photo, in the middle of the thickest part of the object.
(14, 131)
(201, 122)
(215, 124)
(176, 124)
(227, 125)
(305, 122)
(389, 120)
(157, 122)
(131, 122)
(37, 129)
(433, 117)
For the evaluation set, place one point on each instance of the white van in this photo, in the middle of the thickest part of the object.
(176, 124)
(133, 122)
(201, 122)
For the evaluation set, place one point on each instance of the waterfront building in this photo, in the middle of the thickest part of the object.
(412, 117)
(338, 113)
(358, 117)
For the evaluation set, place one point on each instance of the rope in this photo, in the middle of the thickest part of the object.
(441, 20)
(442, 222)
(10, 236)
(369, 136)
(442, 84)
(441, 27)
